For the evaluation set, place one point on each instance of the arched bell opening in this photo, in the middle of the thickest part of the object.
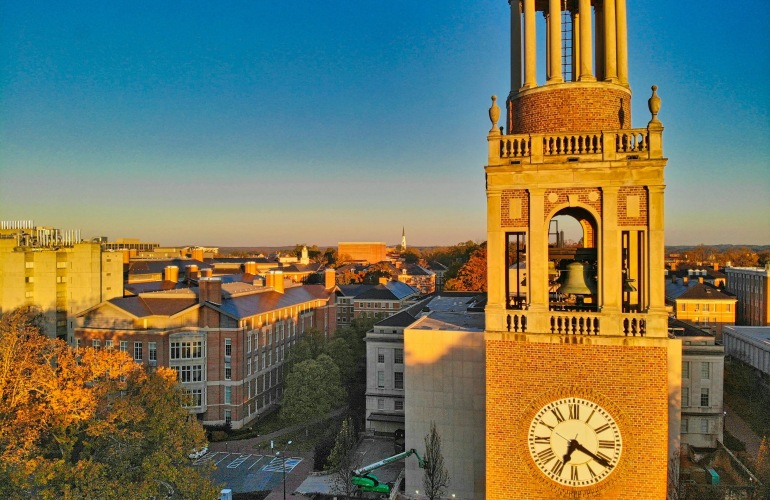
(573, 261)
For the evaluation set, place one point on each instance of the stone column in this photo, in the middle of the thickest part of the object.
(610, 43)
(537, 252)
(515, 45)
(599, 44)
(611, 259)
(621, 27)
(657, 249)
(575, 45)
(586, 47)
(554, 41)
(530, 49)
(496, 268)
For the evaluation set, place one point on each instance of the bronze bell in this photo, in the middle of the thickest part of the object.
(578, 280)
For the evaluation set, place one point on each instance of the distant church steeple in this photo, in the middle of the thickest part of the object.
(403, 239)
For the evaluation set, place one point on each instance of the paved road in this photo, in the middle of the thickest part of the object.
(736, 426)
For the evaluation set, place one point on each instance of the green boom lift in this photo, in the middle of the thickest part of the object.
(369, 483)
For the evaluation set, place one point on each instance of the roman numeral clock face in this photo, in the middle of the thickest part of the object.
(574, 442)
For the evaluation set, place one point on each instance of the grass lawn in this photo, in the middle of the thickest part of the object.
(745, 394)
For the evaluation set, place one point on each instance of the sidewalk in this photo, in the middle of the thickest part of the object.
(736, 426)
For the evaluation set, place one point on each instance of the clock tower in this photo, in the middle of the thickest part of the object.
(582, 381)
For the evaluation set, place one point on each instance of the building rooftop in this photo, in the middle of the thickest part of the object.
(760, 334)
(452, 312)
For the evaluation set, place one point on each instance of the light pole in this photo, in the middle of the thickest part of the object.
(283, 468)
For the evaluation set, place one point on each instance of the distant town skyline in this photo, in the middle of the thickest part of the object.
(260, 124)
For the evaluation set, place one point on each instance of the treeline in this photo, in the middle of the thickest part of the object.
(723, 255)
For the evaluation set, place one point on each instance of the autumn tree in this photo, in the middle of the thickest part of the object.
(435, 476)
(472, 276)
(90, 423)
(342, 460)
(763, 462)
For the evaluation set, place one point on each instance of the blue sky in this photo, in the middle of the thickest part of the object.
(273, 123)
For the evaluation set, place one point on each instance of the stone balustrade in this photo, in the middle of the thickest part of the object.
(577, 323)
(640, 143)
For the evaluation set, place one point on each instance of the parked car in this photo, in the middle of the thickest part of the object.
(196, 454)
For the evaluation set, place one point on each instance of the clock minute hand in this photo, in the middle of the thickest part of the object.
(599, 460)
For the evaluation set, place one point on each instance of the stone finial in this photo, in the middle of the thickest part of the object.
(653, 103)
(494, 115)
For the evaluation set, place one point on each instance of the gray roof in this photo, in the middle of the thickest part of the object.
(156, 266)
(159, 305)
(694, 289)
(247, 305)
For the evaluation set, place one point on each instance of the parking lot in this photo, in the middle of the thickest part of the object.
(244, 472)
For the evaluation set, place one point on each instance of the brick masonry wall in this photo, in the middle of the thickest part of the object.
(630, 382)
(624, 217)
(514, 196)
(571, 109)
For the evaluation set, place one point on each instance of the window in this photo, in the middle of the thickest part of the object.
(153, 351)
(228, 371)
(705, 308)
(29, 265)
(124, 346)
(108, 344)
(685, 425)
(399, 405)
(398, 380)
(685, 396)
(704, 426)
(137, 351)
(228, 416)
(380, 404)
(228, 395)
(704, 396)
(398, 356)
(686, 369)
(228, 347)
(196, 397)
(248, 343)
(186, 350)
(705, 370)
(381, 379)
(96, 343)
(683, 308)
(380, 355)
(77, 344)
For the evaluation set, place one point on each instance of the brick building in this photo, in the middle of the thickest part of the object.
(227, 341)
(751, 285)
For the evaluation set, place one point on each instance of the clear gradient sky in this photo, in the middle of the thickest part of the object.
(272, 123)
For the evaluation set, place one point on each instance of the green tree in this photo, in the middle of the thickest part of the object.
(472, 276)
(312, 389)
(342, 460)
(411, 255)
(435, 476)
(90, 423)
(339, 350)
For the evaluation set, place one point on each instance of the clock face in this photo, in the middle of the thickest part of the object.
(575, 442)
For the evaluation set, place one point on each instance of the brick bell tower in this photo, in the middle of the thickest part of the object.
(582, 380)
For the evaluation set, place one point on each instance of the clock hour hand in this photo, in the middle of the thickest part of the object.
(573, 445)
(599, 460)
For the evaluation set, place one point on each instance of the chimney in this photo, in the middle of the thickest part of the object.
(277, 280)
(171, 273)
(685, 280)
(716, 266)
(384, 280)
(269, 279)
(700, 279)
(197, 254)
(250, 267)
(191, 272)
(206, 272)
(210, 290)
(330, 278)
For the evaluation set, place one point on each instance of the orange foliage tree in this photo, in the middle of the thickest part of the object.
(472, 276)
(90, 423)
